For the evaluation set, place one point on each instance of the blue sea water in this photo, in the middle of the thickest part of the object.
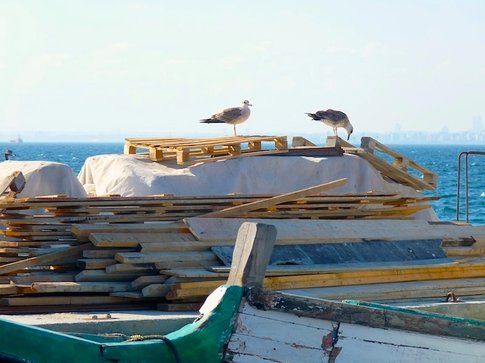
(440, 158)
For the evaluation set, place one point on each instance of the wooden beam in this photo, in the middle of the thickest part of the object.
(254, 245)
(225, 229)
(279, 199)
(59, 257)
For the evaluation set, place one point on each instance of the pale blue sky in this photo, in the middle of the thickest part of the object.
(156, 67)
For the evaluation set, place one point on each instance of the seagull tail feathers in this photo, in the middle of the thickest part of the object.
(211, 121)
(313, 116)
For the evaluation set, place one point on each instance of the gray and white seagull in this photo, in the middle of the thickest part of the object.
(232, 116)
(334, 119)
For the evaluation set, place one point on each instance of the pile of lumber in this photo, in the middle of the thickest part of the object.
(174, 266)
(46, 221)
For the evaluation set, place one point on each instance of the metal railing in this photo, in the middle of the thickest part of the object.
(458, 184)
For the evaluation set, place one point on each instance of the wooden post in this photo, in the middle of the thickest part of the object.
(156, 154)
(254, 145)
(182, 155)
(254, 245)
(129, 149)
(234, 149)
(281, 143)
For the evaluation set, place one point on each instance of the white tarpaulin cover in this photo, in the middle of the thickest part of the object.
(44, 178)
(133, 176)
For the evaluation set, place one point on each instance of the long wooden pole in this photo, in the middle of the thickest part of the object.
(50, 258)
(283, 198)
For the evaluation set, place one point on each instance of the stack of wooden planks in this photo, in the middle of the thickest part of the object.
(185, 149)
(174, 266)
(43, 222)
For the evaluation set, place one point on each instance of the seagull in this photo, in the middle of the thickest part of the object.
(232, 116)
(334, 119)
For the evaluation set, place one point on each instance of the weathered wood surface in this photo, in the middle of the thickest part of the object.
(206, 229)
(282, 198)
(386, 318)
(58, 257)
(275, 336)
(252, 252)
(82, 231)
(135, 239)
(61, 300)
(397, 290)
(344, 278)
(276, 270)
(371, 251)
(56, 287)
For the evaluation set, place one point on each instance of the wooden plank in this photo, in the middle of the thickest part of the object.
(155, 290)
(128, 268)
(158, 257)
(61, 300)
(102, 276)
(62, 287)
(82, 231)
(283, 198)
(196, 273)
(200, 263)
(225, 229)
(134, 239)
(464, 251)
(50, 276)
(286, 270)
(181, 246)
(95, 263)
(252, 252)
(371, 276)
(104, 252)
(127, 294)
(397, 290)
(143, 281)
(368, 251)
(8, 289)
(58, 257)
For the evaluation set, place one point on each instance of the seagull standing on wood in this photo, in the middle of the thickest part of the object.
(334, 119)
(232, 116)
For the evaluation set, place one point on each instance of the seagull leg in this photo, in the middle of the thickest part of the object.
(235, 133)
(336, 132)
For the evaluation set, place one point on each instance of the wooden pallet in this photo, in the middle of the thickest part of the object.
(184, 149)
(397, 171)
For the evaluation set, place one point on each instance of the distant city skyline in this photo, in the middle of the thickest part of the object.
(474, 136)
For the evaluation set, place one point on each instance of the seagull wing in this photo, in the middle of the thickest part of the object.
(229, 114)
(332, 115)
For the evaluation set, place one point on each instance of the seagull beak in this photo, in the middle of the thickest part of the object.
(250, 104)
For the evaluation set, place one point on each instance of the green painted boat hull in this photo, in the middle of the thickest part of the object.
(201, 341)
